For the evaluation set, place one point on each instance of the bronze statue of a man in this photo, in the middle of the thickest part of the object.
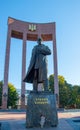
(37, 71)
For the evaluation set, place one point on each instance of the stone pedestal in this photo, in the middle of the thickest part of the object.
(41, 103)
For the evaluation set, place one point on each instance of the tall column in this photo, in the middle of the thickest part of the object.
(6, 71)
(23, 71)
(56, 87)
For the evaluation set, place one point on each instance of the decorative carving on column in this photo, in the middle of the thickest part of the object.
(23, 71)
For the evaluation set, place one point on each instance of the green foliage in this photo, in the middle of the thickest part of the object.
(12, 95)
(69, 96)
(51, 83)
(76, 95)
(65, 94)
(61, 80)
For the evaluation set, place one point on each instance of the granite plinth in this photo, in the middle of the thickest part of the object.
(41, 103)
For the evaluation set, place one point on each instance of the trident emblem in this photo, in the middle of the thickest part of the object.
(32, 27)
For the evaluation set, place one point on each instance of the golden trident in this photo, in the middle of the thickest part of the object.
(32, 27)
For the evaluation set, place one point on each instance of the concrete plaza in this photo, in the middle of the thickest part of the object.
(15, 120)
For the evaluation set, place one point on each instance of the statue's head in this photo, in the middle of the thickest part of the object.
(39, 40)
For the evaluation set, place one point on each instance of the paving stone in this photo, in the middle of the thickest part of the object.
(5, 126)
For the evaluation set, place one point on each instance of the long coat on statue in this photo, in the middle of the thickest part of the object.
(39, 62)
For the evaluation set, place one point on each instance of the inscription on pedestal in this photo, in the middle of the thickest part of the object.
(41, 101)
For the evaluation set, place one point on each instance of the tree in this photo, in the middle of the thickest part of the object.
(64, 90)
(61, 81)
(12, 95)
(51, 83)
(76, 95)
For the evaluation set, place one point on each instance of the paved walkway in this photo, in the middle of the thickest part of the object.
(16, 121)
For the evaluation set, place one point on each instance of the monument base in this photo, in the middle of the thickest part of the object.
(41, 104)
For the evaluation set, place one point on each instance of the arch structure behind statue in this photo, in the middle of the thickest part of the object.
(28, 31)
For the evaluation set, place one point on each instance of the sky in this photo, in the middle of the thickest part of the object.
(66, 14)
